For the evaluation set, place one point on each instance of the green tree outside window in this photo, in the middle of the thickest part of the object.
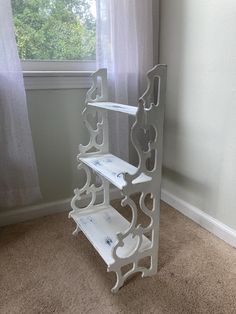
(55, 29)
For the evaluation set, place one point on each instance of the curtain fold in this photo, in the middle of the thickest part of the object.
(125, 48)
(18, 173)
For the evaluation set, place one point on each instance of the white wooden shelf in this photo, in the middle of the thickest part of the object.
(101, 226)
(118, 241)
(131, 110)
(112, 168)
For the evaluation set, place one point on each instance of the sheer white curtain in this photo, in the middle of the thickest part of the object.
(125, 48)
(18, 172)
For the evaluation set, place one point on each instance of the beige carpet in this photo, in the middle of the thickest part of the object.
(44, 269)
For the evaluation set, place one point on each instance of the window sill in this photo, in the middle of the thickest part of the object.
(56, 79)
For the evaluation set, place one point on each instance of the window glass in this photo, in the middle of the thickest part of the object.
(55, 29)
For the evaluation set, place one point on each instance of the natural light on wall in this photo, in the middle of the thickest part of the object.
(55, 29)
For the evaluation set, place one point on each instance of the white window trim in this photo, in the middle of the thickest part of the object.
(57, 74)
(51, 65)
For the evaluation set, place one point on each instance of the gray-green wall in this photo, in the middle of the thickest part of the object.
(57, 129)
(198, 45)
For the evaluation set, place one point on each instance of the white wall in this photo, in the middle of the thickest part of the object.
(198, 43)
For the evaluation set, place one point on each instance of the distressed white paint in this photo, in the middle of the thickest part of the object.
(113, 169)
(101, 227)
(115, 107)
(118, 241)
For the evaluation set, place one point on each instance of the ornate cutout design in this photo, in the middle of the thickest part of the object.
(89, 188)
(147, 117)
(99, 81)
(135, 242)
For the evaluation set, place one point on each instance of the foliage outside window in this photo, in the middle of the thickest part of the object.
(55, 29)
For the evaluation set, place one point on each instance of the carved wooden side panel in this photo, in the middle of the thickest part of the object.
(149, 115)
(96, 123)
(99, 135)
(98, 90)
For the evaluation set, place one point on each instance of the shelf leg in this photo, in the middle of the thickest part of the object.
(77, 230)
(119, 282)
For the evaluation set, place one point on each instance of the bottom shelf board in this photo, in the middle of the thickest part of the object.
(101, 226)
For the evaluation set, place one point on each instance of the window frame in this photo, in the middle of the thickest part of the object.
(45, 74)
(58, 65)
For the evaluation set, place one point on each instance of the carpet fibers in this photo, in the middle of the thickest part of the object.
(44, 269)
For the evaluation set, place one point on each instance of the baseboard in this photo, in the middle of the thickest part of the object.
(206, 221)
(30, 212)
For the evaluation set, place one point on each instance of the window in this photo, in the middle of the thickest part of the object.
(51, 34)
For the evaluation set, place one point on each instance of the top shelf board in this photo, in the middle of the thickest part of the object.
(131, 110)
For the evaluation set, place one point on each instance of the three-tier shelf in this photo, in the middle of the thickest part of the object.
(118, 241)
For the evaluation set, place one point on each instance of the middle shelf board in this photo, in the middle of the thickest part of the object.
(112, 168)
(131, 110)
(101, 227)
